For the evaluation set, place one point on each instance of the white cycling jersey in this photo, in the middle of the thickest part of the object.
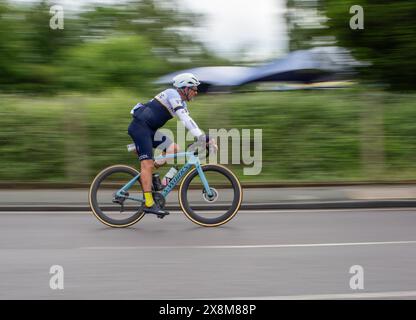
(172, 101)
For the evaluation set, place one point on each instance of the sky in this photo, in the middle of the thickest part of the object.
(235, 29)
(234, 26)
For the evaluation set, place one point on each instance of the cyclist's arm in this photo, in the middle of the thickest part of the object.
(187, 121)
(202, 139)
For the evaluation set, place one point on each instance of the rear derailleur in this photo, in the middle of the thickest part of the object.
(120, 200)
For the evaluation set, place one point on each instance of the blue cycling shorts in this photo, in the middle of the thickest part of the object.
(146, 138)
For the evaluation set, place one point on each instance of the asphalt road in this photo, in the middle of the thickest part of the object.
(305, 254)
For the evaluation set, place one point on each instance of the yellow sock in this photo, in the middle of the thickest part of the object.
(149, 199)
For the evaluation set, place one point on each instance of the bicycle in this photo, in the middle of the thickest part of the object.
(116, 196)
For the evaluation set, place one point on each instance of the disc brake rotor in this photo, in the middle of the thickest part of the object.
(211, 198)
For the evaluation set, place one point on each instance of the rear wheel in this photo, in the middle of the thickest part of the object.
(215, 209)
(112, 210)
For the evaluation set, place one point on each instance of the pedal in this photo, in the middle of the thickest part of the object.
(161, 216)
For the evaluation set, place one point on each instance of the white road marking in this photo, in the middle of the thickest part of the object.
(331, 296)
(260, 246)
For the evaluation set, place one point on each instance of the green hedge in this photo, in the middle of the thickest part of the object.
(339, 135)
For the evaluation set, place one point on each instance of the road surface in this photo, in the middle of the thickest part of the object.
(274, 254)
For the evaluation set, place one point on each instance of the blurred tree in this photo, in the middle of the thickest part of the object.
(387, 42)
(8, 49)
(167, 29)
(126, 44)
(30, 48)
(306, 24)
(124, 62)
(42, 41)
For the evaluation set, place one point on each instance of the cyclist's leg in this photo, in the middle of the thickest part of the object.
(164, 143)
(142, 136)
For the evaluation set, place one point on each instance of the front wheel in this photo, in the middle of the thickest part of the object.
(218, 208)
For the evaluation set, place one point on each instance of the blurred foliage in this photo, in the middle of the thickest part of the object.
(121, 45)
(307, 135)
(305, 20)
(387, 42)
(116, 51)
(93, 66)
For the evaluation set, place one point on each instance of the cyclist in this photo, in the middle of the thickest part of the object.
(149, 117)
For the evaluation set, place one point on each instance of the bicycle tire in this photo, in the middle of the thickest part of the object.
(224, 218)
(95, 206)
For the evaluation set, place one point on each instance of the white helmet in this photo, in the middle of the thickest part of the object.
(185, 80)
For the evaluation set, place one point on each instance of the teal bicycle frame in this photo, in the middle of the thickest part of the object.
(192, 160)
